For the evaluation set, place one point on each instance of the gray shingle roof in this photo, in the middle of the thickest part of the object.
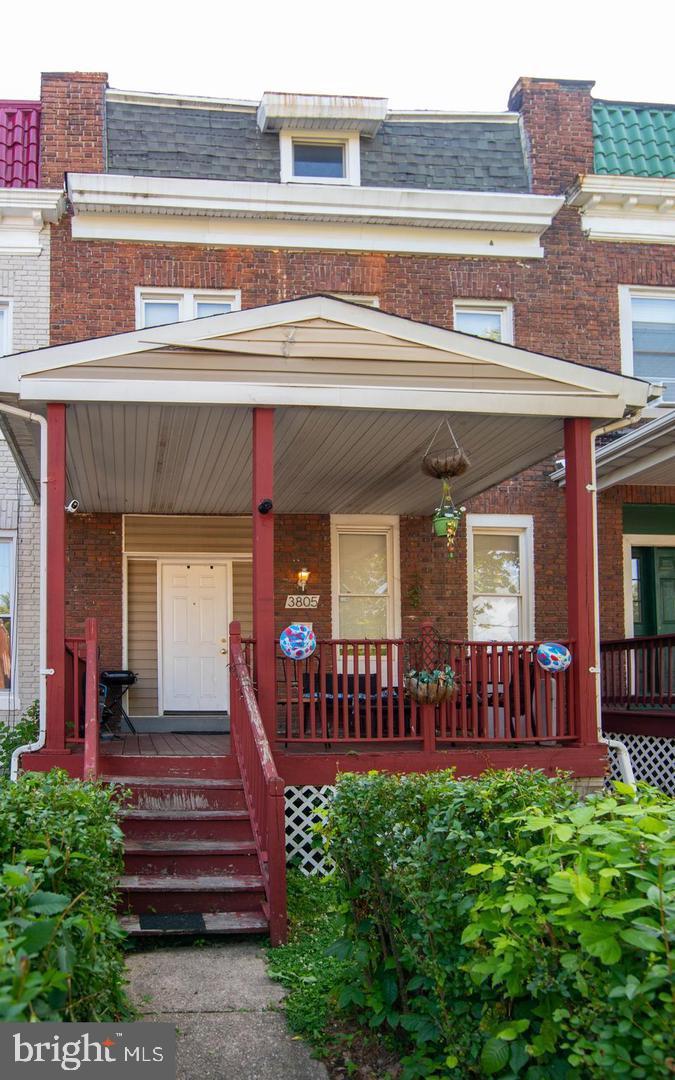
(150, 140)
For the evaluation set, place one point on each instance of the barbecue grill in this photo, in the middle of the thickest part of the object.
(114, 685)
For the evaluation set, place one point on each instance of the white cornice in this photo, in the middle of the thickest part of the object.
(628, 209)
(23, 213)
(310, 216)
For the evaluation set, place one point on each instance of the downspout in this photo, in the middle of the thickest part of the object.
(625, 764)
(29, 748)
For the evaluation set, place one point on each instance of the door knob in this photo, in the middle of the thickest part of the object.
(223, 652)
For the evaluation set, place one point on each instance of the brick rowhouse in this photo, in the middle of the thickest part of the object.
(565, 304)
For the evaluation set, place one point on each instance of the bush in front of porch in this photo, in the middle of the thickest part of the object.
(61, 952)
(498, 927)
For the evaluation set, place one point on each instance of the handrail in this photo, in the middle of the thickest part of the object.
(91, 725)
(638, 673)
(263, 787)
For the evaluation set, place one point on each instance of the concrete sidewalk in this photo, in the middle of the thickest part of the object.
(227, 1012)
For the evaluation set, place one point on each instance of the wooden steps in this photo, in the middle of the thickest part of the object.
(190, 861)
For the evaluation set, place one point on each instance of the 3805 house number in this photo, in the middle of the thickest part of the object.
(302, 601)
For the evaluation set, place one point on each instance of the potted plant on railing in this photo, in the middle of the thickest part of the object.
(431, 686)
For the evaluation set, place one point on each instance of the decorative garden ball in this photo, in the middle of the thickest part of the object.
(298, 641)
(553, 657)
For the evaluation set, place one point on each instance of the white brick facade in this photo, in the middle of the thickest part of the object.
(25, 282)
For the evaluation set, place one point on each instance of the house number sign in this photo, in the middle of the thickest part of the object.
(300, 600)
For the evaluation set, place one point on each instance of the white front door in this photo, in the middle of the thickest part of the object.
(194, 637)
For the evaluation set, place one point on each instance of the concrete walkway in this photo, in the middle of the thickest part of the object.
(227, 1012)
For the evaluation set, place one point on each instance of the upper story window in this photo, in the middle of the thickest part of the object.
(319, 158)
(648, 335)
(492, 319)
(156, 307)
(358, 298)
(5, 327)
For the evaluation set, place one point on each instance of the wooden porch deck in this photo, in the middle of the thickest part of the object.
(166, 744)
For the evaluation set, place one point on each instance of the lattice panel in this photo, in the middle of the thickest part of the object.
(653, 760)
(302, 812)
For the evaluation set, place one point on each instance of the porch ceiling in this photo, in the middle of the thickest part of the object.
(178, 459)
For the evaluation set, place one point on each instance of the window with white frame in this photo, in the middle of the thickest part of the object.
(358, 298)
(156, 307)
(6, 613)
(501, 577)
(5, 327)
(492, 319)
(311, 157)
(648, 335)
(365, 554)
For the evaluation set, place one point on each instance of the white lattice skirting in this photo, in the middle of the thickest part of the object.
(303, 806)
(653, 760)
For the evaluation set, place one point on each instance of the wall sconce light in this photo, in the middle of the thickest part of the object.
(303, 578)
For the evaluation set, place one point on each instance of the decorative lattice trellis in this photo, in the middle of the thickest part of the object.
(653, 760)
(302, 812)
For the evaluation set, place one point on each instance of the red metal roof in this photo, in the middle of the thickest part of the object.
(19, 144)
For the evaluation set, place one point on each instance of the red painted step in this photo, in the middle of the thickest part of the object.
(199, 893)
(215, 767)
(188, 857)
(182, 793)
(187, 824)
(218, 922)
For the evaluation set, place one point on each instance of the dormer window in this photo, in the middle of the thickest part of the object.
(319, 158)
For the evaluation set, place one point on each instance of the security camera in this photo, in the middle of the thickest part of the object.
(73, 506)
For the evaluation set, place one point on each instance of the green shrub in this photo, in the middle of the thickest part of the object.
(24, 731)
(474, 960)
(60, 942)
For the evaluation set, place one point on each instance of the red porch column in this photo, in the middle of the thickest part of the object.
(56, 577)
(263, 566)
(581, 585)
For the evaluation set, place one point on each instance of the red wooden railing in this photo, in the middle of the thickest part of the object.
(263, 787)
(82, 719)
(638, 673)
(353, 692)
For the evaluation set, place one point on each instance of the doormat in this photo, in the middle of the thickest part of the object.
(192, 922)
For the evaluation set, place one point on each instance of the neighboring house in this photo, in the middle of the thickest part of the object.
(25, 213)
(279, 302)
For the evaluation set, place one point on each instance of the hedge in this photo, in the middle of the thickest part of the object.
(61, 954)
(501, 928)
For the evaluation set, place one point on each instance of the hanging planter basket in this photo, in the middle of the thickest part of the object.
(445, 463)
(431, 687)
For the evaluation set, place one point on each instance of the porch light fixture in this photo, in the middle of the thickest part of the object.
(303, 578)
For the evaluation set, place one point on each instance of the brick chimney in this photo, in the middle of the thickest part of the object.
(557, 122)
(73, 124)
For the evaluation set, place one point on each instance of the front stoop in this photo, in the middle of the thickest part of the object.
(190, 861)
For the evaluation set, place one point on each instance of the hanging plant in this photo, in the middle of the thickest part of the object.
(445, 462)
(447, 518)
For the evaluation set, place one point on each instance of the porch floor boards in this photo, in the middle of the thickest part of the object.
(165, 744)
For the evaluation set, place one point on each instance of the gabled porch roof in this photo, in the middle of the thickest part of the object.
(158, 418)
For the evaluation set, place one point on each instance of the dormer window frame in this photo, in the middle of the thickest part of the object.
(350, 141)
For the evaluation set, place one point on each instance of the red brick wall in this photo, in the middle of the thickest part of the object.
(303, 541)
(94, 580)
(556, 115)
(72, 128)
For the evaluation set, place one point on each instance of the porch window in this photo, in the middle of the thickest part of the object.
(156, 307)
(365, 592)
(6, 612)
(500, 578)
(648, 336)
(490, 319)
(5, 330)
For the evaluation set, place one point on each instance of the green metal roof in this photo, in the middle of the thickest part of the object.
(634, 140)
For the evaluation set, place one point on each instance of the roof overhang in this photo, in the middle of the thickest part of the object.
(364, 115)
(227, 212)
(158, 418)
(629, 209)
(23, 213)
(643, 456)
